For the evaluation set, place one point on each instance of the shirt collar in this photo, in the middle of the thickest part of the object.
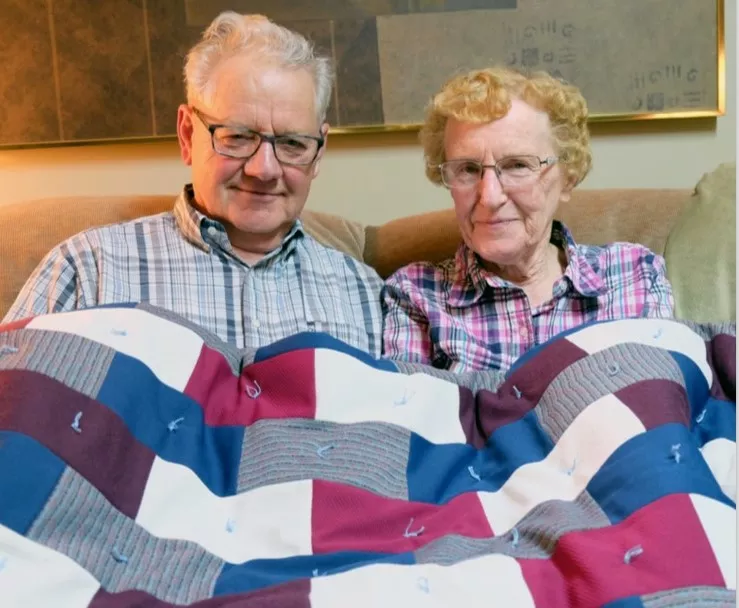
(205, 233)
(471, 281)
(585, 275)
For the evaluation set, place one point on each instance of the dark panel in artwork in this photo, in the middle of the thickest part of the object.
(443, 6)
(80, 70)
(319, 33)
(170, 39)
(201, 12)
(28, 112)
(103, 69)
(358, 72)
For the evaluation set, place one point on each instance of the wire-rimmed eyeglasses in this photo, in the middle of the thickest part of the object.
(511, 171)
(243, 143)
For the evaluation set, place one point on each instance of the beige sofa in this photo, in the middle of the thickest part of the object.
(694, 229)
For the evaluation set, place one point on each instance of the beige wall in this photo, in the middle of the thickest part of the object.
(373, 178)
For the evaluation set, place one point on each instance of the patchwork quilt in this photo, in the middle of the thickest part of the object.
(145, 463)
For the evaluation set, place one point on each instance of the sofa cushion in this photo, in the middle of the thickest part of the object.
(32, 228)
(701, 250)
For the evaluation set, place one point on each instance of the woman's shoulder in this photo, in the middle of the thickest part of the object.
(620, 264)
(429, 280)
(619, 250)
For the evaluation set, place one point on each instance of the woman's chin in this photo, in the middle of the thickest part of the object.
(500, 254)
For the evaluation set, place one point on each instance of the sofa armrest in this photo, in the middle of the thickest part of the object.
(701, 250)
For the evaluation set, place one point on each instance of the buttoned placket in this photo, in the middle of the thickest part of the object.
(525, 321)
(253, 298)
(251, 313)
(308, 316)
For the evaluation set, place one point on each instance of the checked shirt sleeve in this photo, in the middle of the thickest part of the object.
(406, 327)
(66, 279)
(660, 302)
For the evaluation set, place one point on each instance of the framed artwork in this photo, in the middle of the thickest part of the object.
(76, 72)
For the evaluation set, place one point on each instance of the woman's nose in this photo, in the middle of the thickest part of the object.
(491, 191)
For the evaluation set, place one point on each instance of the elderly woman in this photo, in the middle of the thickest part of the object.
(510, 148)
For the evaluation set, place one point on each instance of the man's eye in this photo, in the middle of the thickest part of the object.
(236, 137)
(293, 143)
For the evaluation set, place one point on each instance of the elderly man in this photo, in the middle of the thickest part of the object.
(232, 256)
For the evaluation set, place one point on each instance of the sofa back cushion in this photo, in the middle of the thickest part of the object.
(595, 216)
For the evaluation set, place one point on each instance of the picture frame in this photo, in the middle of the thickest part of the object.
(108, 72)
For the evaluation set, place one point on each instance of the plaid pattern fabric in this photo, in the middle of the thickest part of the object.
(183, 261)
(457, 316)
(600, 471)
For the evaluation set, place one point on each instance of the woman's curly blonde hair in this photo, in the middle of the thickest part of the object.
(484, 95)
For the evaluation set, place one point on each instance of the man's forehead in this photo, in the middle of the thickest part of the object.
(249, 88)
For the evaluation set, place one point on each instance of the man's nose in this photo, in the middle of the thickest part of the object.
(263, 164)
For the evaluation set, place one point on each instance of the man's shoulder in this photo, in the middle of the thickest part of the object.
(98, 236)
(164, 219)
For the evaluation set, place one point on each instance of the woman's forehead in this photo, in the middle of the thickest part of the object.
(522, 125)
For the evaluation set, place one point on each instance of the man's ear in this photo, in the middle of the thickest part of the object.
(185, 129)
(317, 163)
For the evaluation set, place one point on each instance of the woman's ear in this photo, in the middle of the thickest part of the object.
(569, 186)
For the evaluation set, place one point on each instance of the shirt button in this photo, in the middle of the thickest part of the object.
(256, 323)
(212, 230)
(525, 333)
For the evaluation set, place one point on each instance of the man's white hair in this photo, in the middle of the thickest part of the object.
(231, 34)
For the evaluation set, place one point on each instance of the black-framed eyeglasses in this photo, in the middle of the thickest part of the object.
(243, 143)
(512, 171)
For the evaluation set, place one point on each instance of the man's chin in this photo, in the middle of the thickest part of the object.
(263, 228)
(253, 200)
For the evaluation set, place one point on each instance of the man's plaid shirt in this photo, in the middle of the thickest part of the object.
(457, 316)
(183, 261)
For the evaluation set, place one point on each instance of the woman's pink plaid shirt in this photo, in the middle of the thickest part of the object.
(457, 316)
